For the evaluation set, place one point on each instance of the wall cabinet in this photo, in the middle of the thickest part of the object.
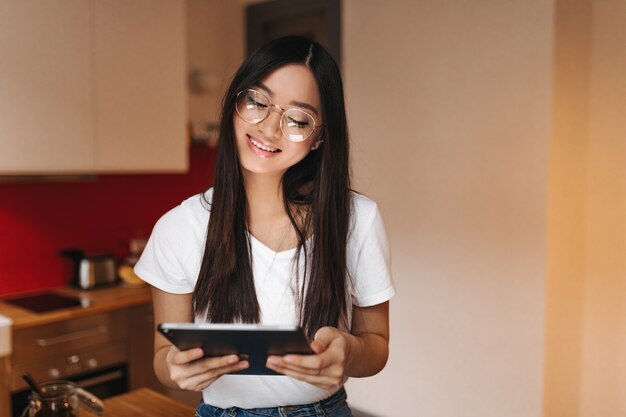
(91, 86)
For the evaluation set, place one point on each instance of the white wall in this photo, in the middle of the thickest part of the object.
(449, 114)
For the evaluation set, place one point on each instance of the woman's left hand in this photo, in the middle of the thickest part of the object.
(325, 368)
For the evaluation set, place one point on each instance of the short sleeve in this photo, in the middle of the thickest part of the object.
(161, 263)
(372, 280)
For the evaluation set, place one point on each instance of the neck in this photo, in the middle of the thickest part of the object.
(267, 219)
(265, 196)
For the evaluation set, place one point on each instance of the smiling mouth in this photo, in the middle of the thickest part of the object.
(262, 146)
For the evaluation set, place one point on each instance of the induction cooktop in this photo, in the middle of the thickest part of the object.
(44, 302)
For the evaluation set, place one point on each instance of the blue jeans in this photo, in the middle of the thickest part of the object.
(333, 406)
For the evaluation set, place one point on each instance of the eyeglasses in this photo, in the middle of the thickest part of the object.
(254, 107)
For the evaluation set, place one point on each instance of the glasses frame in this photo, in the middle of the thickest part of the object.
(282, 114)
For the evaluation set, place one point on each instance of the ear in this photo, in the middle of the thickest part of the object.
(317, 144)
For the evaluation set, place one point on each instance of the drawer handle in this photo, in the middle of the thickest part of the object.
(72, 336)
(96, 380)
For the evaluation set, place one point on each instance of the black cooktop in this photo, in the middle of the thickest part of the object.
(44, 302)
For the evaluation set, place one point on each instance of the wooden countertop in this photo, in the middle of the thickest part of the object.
(141, 403)
(98, 300)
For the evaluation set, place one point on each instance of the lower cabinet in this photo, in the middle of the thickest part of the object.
(106, 353)
(141, 357)
(5, 398)
(141, 348)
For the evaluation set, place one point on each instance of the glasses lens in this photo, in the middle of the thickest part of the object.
(252, 106)
(297, 125)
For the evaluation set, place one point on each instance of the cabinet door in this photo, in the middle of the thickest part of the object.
(5, 378)
(46, 87)
(140, 85)
(141, 348)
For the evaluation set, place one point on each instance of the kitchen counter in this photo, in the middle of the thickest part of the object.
(140, 403)
(98, 300)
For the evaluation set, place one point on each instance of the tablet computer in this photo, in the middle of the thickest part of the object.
(253, 342)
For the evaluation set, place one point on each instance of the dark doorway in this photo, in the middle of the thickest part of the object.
(318, 20)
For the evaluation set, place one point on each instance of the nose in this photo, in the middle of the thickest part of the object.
(270, 126)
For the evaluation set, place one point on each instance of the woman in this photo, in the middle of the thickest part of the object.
(279, 239)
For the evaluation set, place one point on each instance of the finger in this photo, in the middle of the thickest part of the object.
(200, 381)
(333, 371)
(319, 381)
(309, 362)
(326, 338)
(196, 382)
(317, 347)
(199, 367)
(279, 362)
(217, 372)
(218, 362)
(323, 338)
(313, 367)
(300, 373)
(305, 371)
(181, 357)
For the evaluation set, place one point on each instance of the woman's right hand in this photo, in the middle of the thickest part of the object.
(190, 371)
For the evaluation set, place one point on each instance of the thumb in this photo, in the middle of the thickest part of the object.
(323, 338)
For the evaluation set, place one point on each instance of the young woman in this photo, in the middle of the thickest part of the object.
(280, 238)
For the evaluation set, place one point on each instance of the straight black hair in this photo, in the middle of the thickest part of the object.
(316, 196)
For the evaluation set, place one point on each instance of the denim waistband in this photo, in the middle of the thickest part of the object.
(304, 410)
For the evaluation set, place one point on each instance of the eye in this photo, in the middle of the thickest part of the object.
(300, 124)
(251, 102)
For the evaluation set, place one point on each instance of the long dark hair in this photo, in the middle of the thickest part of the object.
(316, 196)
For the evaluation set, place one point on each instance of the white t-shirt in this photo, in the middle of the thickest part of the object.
(171, 262)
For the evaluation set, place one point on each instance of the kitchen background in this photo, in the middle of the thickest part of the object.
(492, 136)
(99, 215)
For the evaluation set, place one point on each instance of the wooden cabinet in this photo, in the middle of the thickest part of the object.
(140, 85)
(80, 346)
(91, 86)
(46, 87)
(141, 348)
(68, 337)
(5, 378)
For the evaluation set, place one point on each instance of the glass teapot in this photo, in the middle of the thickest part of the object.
(61, 399)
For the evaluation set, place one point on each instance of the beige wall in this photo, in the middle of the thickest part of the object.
(603, 373)
(586, 321)
(449, 107)
(567, 208)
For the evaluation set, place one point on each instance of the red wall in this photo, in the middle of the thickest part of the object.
(98, 215)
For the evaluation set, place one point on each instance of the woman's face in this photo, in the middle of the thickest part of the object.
(290, 86)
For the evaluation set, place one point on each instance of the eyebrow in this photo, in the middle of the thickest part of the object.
(293, 102)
